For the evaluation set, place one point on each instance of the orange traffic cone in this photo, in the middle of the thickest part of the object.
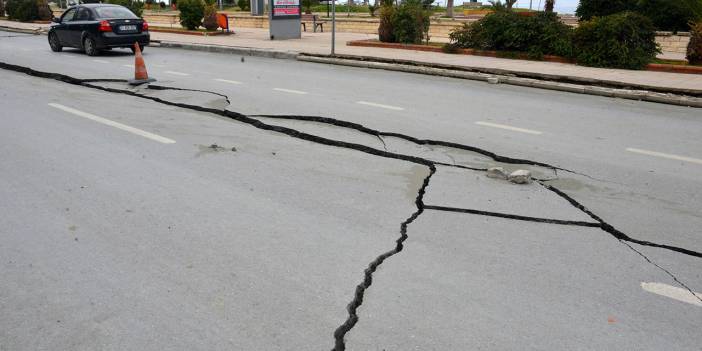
(140, 75)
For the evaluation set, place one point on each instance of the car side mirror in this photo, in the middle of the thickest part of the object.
(56, 20)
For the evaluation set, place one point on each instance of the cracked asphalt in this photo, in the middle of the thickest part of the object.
(281, 205)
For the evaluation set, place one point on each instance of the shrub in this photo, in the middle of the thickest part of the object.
(44, 11)
(22, 10)
(191, 13)
(671, 15)
(245, 5)
(694, 47)
(385, 30)
(587, 9)
(209, 20)
(543, 34)
(623, 40)
(135, 6)
(410, 23)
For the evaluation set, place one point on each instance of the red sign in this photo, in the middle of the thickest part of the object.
(286, 8)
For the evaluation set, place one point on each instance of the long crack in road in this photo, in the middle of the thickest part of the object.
(431, 154)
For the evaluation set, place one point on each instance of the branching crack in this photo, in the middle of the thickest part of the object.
(160, 87)
(513, 216)
(427, 142)
(357, 301)
(615, 232)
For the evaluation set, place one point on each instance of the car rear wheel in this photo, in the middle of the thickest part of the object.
(90, 47)
(55, 43)
(141, 47)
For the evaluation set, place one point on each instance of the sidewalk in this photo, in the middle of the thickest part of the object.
(320, 43)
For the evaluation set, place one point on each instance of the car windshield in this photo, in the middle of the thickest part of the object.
(114, 12)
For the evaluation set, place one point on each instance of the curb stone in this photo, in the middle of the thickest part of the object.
(36, 31)
(522, 74)
(642, 95)
(235, 50)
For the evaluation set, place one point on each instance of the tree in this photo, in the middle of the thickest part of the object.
(191, 13)
(588, 9)
(548, 5)
(694, 48)
(671, 15)
(449, 8)
(498, 5)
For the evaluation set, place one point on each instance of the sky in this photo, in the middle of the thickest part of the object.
(562, 6)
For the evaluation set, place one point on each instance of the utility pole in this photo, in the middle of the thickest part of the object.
(333, 25)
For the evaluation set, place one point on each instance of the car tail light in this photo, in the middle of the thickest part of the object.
(105, 26)
(144, 27)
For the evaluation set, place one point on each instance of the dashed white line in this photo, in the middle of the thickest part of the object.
(101, 61)
(177, 73)
(506, 127)
(130, 66)
(228, 81)
(664, 155)
(673, 292)
(114, 124)
(290, 91)
(389, 107)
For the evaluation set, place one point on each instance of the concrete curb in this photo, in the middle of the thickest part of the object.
(234, 50)
(590, 89)
(37, 31)
(525, 74)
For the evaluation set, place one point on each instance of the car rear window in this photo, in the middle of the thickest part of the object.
(114, 12)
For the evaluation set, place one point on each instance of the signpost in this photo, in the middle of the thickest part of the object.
(285, 19)
(333, 25)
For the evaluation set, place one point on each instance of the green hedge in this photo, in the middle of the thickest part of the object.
(587, 9)
(668, 15)
(539, 35)
(411, 22)
(406, 23)
(623, 40)
(22, 10)
(191, 13)
(671, 15)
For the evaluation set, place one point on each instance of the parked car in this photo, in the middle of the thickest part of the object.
(96, 27)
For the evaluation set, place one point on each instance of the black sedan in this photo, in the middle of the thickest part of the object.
(96, 27)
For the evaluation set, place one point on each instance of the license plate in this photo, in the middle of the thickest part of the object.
(131, 28)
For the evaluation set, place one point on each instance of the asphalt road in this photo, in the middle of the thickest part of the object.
(124, 228)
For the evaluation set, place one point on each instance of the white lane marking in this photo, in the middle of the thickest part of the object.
(228, 81)
(110, 123)
(101, 61)
(130, 66)
(389, 107)
(663, 155)
(290, 91)
(504, 126)
(673, 292)
(177, 73)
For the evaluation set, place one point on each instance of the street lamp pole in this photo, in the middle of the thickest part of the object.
(333, 26)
